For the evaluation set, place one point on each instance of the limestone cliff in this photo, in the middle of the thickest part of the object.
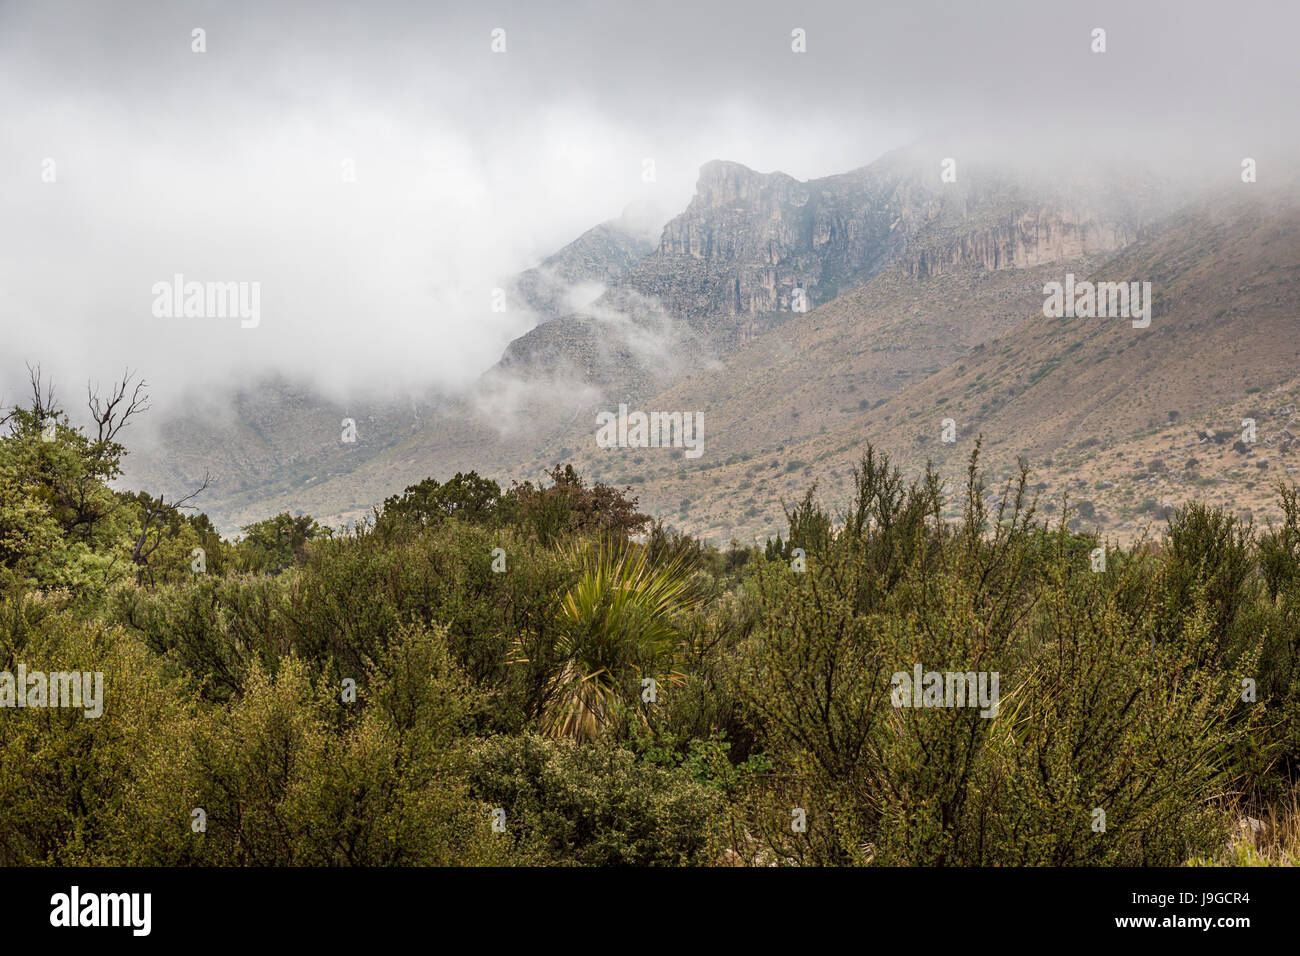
(751, 248)
(1021, 240)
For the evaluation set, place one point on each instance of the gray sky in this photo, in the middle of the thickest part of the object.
(471, 165)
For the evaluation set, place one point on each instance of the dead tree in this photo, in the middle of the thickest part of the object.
(152, 525)
(78, 490)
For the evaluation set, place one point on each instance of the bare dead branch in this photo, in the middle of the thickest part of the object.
(113, 413)
(154, 521)
(43, 397)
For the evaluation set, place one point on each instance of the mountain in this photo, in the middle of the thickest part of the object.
(272, 437)
(753, 249)
(802, 319)
(1127, 421)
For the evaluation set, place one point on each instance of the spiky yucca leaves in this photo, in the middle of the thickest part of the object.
(616, 628)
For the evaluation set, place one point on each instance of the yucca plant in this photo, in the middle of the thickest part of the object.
(616, 626)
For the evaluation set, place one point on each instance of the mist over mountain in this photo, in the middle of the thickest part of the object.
(381, 190)
(468, 248)
(730, 313)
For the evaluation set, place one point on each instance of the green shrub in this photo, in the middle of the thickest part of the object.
(1096, 712)
(596, 805)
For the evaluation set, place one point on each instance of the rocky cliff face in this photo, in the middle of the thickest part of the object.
(748, 240)
(575, 276)
(1022, 240)
(752, 248)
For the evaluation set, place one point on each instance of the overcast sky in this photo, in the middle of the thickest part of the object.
(470, 165)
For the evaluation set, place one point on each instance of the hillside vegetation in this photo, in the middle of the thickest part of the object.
(541, 674)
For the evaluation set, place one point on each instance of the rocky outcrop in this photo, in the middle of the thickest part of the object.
(574, 277)
(1024, 239)
(748, 240)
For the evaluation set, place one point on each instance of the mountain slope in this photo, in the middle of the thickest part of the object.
(887, 257)
(1091, 403)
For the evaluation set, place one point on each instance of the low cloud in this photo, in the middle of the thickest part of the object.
(235, 164)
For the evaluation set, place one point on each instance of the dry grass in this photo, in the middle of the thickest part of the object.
(1268, 836)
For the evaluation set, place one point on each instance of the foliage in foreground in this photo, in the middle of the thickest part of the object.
(539, 676)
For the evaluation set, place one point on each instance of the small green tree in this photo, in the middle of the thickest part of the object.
(277, 543)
